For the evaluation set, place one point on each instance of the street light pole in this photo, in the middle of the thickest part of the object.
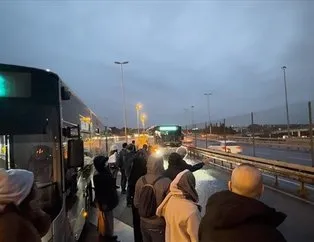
(187, 119)
(123, 95)
(286, 97)
(143, 119)
(106, 133)
(138, 109)
(208, 110)
(192, 116)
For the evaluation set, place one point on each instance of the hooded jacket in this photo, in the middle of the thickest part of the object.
(105, 190)
(233, 218)
(138, 169)
(17, 222)
(180, 209)
(155, 169)
(177, 164)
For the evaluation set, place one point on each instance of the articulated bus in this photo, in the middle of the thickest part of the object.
(167, 135)
(47, 129)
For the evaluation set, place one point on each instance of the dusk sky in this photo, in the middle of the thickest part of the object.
(177, 51)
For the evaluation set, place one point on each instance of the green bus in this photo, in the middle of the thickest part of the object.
(168, 135)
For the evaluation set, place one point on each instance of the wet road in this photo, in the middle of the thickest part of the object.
(297, 227)
(292, 156)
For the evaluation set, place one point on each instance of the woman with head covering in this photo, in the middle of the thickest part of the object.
(106, 194)
(180, 209)
(177, 164)
(21, 218)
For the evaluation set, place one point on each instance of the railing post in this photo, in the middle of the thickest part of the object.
(276, 180)
(302, 191)
(253, 132)
(225, 135)
(206, 140)
(311, 132)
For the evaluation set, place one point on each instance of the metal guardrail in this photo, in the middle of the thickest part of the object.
(299, 173)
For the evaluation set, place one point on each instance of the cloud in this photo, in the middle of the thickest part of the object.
(177, 51)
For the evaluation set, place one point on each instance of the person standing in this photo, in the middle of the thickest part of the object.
(122, 166)
(106, 194)
(177, 164)
(138, 169)
(113, 163)
(237, 215)
(180, 209)
(21, 218)
(150, 191)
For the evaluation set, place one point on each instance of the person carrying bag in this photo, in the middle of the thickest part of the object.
(106, 198)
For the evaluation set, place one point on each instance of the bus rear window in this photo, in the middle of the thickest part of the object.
(15, 85)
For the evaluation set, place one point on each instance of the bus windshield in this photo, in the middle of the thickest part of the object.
(169, 135)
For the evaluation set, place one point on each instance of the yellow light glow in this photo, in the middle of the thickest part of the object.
(86, 119)
(143, 117)
(139, 106)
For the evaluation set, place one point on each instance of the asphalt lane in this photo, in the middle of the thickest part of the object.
(291, 156)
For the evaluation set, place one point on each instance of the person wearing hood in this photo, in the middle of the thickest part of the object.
(180, 209)
(132, 173)
(138, 169)
(237, 215)
(21, 218)
(177, 164)
(183, 152)
(152, 227)
(143, 152)
(106, 195)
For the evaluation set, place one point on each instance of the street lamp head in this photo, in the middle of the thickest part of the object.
(139, 106)
(284, 67)
(208, 94)
(121, 63)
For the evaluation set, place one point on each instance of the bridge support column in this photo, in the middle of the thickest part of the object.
(299, 134)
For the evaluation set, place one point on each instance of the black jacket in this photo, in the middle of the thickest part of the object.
(138, 170)
(174, 170)
(105, 189)
(233, 218)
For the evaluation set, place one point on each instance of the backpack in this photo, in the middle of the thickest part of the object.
(148, 205)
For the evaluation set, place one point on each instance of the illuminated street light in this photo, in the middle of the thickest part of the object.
(138, 107)
(143, 120)
(123, 95)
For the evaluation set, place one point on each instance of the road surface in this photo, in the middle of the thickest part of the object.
(297, 227)
(292, 156)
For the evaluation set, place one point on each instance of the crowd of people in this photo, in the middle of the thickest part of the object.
(165, 202)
